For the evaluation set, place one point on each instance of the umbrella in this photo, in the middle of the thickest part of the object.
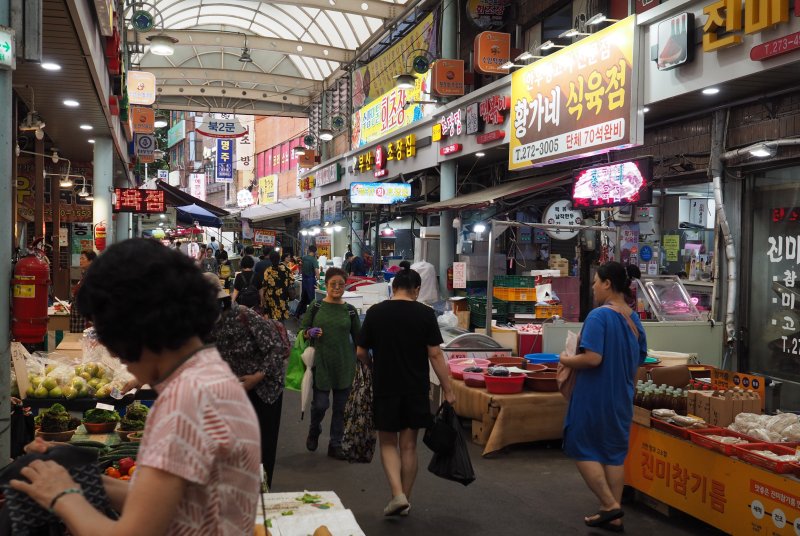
(307, 385)
(193, 213)
(188, 231)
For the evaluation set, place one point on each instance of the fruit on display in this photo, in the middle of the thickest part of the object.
(67, 381)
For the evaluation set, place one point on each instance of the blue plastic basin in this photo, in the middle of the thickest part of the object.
(542, 359)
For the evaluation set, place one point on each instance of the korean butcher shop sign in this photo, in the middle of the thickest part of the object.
(578, 101)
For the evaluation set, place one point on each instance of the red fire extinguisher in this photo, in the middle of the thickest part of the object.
(100, 236)
(29, 303)
(450, 278)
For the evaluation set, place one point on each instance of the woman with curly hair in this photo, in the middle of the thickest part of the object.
(197, 468)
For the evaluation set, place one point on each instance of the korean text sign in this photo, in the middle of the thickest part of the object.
(262, 237)
(379, 193)
(139, 201)
(225, 160)
(268, 190)
(387, 113)
(734, 496)
(578, 101)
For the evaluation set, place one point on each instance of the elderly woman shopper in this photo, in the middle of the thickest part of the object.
(332, 325)
(612, 346)
(255, 351)
(404, 337)
(197, 468)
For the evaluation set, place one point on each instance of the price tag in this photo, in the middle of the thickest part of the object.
(108, 407)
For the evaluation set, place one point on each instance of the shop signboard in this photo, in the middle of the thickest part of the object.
(776, 47)
(612, 185)
(8, 49)
(725, 24)
(379, 193)
(562, 213)
(578, 101)
(393, 110)
(143, 120)
(244, 198)
(212, 127)
(492, 50)
(452, 123)
(333, 209)
(177, 133)
(493, 109)
(377, 159)
(197, 185)
(447, 79)
(262, 237)
(307, 160)
(311, 215)
(82, 238)
(453, 148)
(489, 137)
(139, 201)
(727, 379)
(676, 44)
(487, 14)
(163, 174)
(224, 159)
(245, 148)
(145, 144)
(459, 275)
(268, 190)
(328, 175)
(306, 186)
(472, 119)
(374, 80)
(731, 495)
(141, 87)
(323, 243)
(71, 207)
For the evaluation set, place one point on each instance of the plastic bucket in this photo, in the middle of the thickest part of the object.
(542, 359)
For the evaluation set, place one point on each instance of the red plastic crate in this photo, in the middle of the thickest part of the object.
(678, 431)
(744, 453)
(701, 438)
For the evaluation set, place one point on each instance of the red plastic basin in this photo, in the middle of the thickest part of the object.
(505, 385)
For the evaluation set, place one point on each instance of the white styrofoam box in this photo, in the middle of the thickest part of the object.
(378, 289)
(545, 273)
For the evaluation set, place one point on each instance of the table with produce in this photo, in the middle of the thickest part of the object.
(509, 399)
(317, 513)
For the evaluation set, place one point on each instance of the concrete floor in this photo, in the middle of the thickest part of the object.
(528, 489)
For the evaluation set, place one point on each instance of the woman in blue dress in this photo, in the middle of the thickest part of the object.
(612, 346)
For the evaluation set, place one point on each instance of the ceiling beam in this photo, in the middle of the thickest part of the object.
(229, 75)
(375, 8)
(232, 93)
(184, 105)
(236, 40)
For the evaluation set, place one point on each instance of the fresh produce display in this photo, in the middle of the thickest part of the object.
(56, 419)
(135, 417)
(100, 416)
(70, 382)
(783, 427)
(779, 457)
(727, 440)
(498, 371)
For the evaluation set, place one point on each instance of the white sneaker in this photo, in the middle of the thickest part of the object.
(396, 505)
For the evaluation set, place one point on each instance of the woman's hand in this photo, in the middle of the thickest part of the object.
(313, 333)
(38, 445)
(46, 479)
(249, 381)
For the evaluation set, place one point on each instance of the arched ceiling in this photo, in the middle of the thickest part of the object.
(294, 47)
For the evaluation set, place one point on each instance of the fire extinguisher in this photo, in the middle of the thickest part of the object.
(29, 297)
(450, 278)
(100, 236)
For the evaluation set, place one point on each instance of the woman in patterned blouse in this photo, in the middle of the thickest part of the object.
(251, 346)
(275, 292)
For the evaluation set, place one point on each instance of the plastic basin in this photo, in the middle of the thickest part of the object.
(505, 385)
(509, 362)
(542, 359)
(474, 379)
(457, 366)
(542, 381)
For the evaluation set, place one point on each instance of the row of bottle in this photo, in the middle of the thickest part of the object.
(651, 396)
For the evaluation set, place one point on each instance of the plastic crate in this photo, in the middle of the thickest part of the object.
(515, 281)
(522, 307)
(700, 437)
(744, 453)
(478, 306)
(478, 320)
(548, 311)
(671, 429)
(515, 294)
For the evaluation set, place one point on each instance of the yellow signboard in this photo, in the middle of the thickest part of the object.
(723, 24)
(734, 496)
(672, 244)
(268, 190)
(578, 101)
(392, 110)
(377, 77)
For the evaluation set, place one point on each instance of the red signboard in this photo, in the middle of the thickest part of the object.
(292, 155)
(285, 157)
(267, 164)
(139, 201)
(492, 109)
(450, 149)
(615, 184)
(381, 173)
(776, 47)
(489, 137)
(380, 159)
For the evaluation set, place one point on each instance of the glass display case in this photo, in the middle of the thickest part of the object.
(666, 298)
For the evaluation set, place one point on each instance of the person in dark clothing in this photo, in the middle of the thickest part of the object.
(261, 266)
(221, 255)
(310, 272)
(347, 265)
(360, 265)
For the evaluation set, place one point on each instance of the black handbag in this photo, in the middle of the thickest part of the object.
(440, 436)
(454, 465)
(22, 516)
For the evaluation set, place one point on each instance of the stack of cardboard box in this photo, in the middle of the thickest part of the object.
(556, 262)
(720, 408)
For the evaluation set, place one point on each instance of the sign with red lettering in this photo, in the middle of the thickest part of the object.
(489, 137)
(139, 201)
(776, 47)
(380, 159)
(492, 109)
(452, 123)
(450, 149)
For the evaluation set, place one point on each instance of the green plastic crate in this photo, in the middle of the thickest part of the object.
(477, 305)
(478, 320)
(521, 307)
(516, 281)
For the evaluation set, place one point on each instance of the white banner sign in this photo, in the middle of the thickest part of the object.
(219, 128)
(245, 146)
(197, 185)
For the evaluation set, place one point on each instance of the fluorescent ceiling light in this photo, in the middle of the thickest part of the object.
(572, 32)
(71, 103)
(599, 19)
(86, 127)
(711, 91)
(547, 45)
(65, 182)
(524, 56)
(480, 154)
(508, 65)
(90, 141)
(162, 45)
(50, 66)
(478, 228)
(763, 150)
(645, 110)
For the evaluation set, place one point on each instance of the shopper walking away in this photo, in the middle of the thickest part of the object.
(245, 291)
(77, 322)
(333, 326)
(261, 266)
(255, 349)
(275, 291)
(209, 263)
(404, 338)
(361, 265)
(221, 255)
(197, 466)
(213, 244)
(612, 346)
(310, 271)
(193, 250)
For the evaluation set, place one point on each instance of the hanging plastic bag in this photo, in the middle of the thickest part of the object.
(295, 369)
(359, 439)
(455, 465)
(440, 437)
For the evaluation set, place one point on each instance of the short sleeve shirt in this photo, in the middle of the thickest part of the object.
(310, 264)
(203, 428)
(399, 333)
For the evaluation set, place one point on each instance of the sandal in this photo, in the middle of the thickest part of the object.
(603, 517)
(613, 528)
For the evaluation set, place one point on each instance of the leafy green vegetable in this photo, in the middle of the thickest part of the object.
(308, 498)
(96, 416)
(135, 417)
(287, 513)
(55, 419)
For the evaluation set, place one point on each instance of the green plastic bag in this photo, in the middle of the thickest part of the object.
(296, 367)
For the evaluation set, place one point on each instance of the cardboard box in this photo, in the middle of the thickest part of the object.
(703, 405)
(641, 416)
(721, 405)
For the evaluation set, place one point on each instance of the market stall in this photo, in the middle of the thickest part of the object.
(302, 513)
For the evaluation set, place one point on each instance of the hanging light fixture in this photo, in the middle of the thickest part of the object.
(325, 134)
(599, 19)
(299, 150)
(245, 57)
(405, 81)
(162, 45)
(65, 182)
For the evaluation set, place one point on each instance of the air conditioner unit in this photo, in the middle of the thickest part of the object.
(429, 232)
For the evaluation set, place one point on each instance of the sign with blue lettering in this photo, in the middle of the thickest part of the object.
(224, 161)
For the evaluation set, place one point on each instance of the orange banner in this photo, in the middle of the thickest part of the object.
(733, 496)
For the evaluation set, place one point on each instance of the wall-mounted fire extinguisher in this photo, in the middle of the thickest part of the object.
(450, 278)
(100, 236)
(30, 286)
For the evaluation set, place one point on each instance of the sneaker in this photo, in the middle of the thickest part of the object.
(396, 505)
(336, 452)
(312, 442)
(406, 511)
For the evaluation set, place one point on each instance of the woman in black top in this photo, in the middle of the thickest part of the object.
(243, 281)
(404, 338)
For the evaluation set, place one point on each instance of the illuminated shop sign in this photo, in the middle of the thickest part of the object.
(399, 149)
(493, 109)
(620, 183)
(724, 22)
(676, 44)
(139, 201)
(379, 193)
(447, 150)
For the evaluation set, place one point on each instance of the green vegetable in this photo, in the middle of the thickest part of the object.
(97, 416)
(308, 498)
(135, 417)
(55, 419)
(287, 513)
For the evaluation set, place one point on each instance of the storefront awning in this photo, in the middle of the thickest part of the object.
(178, 198)
(484, 198)
(281, 209)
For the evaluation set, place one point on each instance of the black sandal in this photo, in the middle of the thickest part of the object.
(603, 517)
(613, 528)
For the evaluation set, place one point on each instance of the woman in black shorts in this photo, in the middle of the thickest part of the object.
(404, 337)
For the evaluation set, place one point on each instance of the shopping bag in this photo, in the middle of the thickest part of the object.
(440, 437)
(456, 464)
(358, 443)
(295, 369)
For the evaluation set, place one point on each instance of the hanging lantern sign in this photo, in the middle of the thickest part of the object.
(244, 198)
(220, 128)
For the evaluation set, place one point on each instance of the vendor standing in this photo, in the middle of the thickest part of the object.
(310, 272)
(77, 323)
